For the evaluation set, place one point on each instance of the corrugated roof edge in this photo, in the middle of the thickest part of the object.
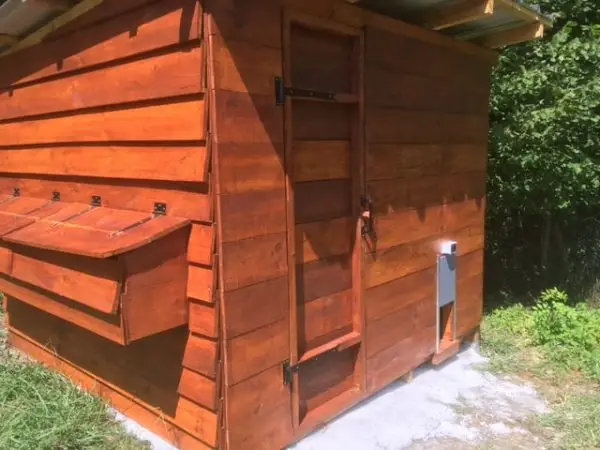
(529, 11)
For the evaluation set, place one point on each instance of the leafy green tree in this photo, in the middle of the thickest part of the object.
(544, 164)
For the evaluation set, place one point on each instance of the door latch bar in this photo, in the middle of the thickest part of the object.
(282, 91)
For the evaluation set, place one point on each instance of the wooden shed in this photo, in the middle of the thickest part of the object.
(235, 219)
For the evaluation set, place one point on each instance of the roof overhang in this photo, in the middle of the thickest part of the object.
(27, 22)
(488, 23)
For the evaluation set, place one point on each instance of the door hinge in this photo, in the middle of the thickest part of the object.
(282, 91)
(288, 372)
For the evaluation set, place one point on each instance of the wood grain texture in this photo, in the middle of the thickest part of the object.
(320, 160)
(137, 31)
(322, 200)
(257, 350)
(197, 420)
(251, 261)
(252, 214)
(134, 124)
(192, 202)
(203, 320)
(6, 256)
(96, 284)
(322, 278)
(320, 240)
(168, 75)
(201, 245)
(321, 121)
(200, 283)
(201, 355)
(168, 163)
(255, 306)
(199, 389)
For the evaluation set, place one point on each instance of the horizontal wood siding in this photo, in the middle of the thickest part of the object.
(248, 130)
(115, 105)
(427, 126)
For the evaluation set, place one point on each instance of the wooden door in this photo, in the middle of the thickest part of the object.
(323, 96)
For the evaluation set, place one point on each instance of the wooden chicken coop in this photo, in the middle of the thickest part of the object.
(235, 219)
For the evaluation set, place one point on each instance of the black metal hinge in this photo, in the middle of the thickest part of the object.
(288, 372)
(282, 91)
(160, 209)
(96, 201)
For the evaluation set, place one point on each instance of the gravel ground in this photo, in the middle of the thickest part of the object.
(455, 406)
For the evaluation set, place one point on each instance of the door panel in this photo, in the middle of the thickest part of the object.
(324, 182)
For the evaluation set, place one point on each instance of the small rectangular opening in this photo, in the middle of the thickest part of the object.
(446, 325)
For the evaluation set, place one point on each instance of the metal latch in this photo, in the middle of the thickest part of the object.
(160, 209)
(288, 372)
(56, 196)
(282, 91)
(96, 201)
(16, 192)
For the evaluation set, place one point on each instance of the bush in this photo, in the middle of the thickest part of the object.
(569, 334)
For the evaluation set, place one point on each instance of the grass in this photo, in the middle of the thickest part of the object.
(42, 410)
(556, 345)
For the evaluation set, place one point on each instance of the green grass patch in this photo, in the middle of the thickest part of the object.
(556, 344)
(40, 409)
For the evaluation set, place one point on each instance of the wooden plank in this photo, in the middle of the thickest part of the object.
(396, 89)
(95, 284)
(469, 239)
(258, 350)
(465, 158)
(400, 358)
(201, 356)
(390, 161)
(107, 219)
(7, 39)
(236, 67)
(6, 257)
(323, 379)
(194, 202)
(322, 200)
(247, 119)
(403, 53)
(523, 33)
(320, 240)
(107, 326)
(197, 420)
(252, 214)
(168, 163)
(323, 278)
(463, 214)
(323, 319)
(399, 261)
(456, 13)
(199, 389)
(406, 226)
(464, 186)
(167, 75)
(255, 306)
(385, 299)
(134, 124)
(470, 304)
(400, 325)
(321, 60)
(418, 127)
(203, 320)
(252, 167)
(321, 121)
(320, 160)
(142, 30)
(246, 21)
(265, 425)
(79, 239)
(201, 245)
(200, 285)
(254, 260)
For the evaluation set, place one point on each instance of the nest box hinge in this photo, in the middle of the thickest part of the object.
(160, 209)
(16, 192)
(96, 201)
(288, 372)
(282, 91)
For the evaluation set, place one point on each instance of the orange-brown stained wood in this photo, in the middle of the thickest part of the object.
(320, 160)
(200, 283)
(194, 203)
(201, 355)
(160, 25)
(169, 75)
(132, 124)
(201, 245)
(137, 162)
(252, 352)
(203, 319)
(6, 256)
(198, 388)
(96, 284)
(319, 240)
(256, 306)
